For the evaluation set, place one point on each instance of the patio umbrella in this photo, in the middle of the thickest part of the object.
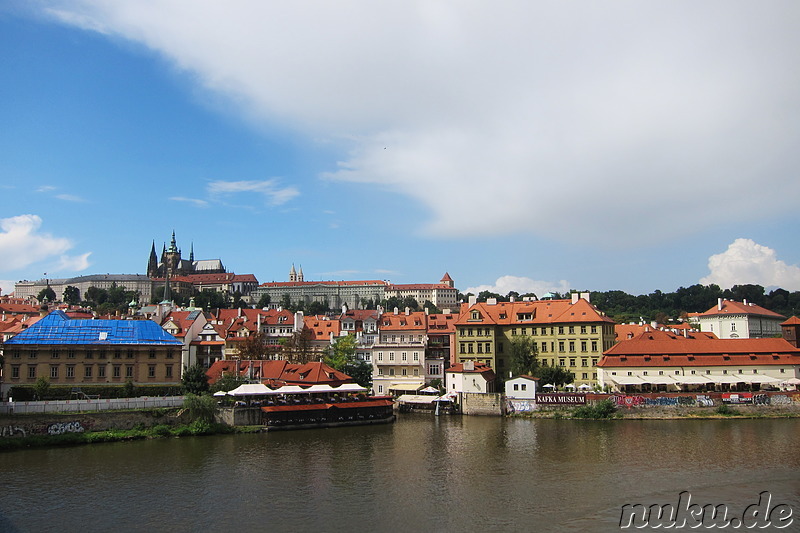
(569, 386)
(549, 386)
(220, 393)
(585, 386)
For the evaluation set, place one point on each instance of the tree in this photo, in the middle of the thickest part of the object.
(72, 295)
(523, 356)
(556, 375)
(286, 301)
(41, 387)
(341, 352)
(263, 302)
(194, 379)
(201, 407)
(254, 346)
(341, 356)
(47, 293)
(298, 349)
(227, 382)
(432, 309)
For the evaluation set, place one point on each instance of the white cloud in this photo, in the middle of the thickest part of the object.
(21, 244)
(551, 118)
(274, 194)
(746, 262)
(70, 198)
(76, 263)
(196, 201)
(522, 285)
(6, 286)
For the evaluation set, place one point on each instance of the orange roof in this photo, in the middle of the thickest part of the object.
(479, 368)
(793, 321)
(415, 320)
(279, 372)
(731, 307)
(540, 311)
(279, 284)
(419, 287)
(441, 323)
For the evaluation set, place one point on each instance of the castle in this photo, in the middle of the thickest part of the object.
(173, 264)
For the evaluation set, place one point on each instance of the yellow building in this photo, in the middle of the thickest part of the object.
(571, 334)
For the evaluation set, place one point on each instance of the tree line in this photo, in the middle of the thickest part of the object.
(666, 306)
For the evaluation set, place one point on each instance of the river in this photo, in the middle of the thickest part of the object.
(458, 474)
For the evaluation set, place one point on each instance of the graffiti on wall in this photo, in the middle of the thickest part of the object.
(59, 428)
(12, 431)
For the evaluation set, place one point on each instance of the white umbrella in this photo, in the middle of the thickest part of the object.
(430, 389)
(549, 386)
(585, 386)
(569, 386)
(220, 393)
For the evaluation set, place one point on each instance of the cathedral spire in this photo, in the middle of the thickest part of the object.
(191, 253)
(173, 246)
(152, 264)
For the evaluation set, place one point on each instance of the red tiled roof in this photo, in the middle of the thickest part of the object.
(542, 312)
(419, 287)
(312, 283)
(311, 373)
(793, 321)
(731, 307)
(415, 320)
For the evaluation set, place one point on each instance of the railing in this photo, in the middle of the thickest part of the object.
(109, 404)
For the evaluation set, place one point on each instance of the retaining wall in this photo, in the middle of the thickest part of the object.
(56, 424)
(481, 404)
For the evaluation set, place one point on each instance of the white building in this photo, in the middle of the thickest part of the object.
(740, 320)
(470, 376)
(522, 388)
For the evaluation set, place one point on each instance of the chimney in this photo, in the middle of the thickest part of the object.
(472, 300)
(719, 304)
(586, 296)
(512, 299)
(575, 297)
(491, 301)
(395, 310)
(744, 301)
(408, 311)
(469, 365)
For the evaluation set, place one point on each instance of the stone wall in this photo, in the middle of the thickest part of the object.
(481, 404)
(56, 424)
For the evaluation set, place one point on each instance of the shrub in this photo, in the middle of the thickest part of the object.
(600, 410)
(726, 410)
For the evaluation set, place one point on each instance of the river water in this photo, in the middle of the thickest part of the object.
(459, 474)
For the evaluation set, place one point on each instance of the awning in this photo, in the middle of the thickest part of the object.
(251, 389)
(726, 378)
(410, 386)
(689, 379)
(417, 399)
(659, 380)
(760, 379)
(348, 387)
(627, 380)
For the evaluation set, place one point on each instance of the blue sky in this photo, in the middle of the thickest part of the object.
(538, 146)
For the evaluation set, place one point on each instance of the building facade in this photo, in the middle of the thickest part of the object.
(81, 352)
(571, 334)
(740, 320)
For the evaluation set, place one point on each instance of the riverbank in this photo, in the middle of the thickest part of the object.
(671, 413)
(163, 431)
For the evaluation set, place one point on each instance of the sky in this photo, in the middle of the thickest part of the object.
(523, 145)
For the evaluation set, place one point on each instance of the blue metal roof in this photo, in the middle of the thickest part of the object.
(58, 328)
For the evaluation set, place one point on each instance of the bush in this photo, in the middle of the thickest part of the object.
(26, 393)
(726, 410)
(600, 410)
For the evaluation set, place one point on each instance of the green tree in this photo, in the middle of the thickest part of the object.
(298, 347)
(341, 352)
(555, 375)
(72, 295)
(47, 293)
(201, 407)
(129, 390)
(194, 379)
(263, 302)
(41, 387)
(523, 356)
(360, 371)
(286, 301)
(228, 382)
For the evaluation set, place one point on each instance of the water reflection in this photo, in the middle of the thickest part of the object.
(446, 473)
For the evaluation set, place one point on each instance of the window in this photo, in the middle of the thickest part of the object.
(583, 329)
(117, 354)
(53, 371)
(513, 331)
(404, 371)
(524, 386)
(168, 371)
(89, 355)
(129, 355)
(56, 355)
(87, 371)
(571, 361)
(151, 354)
(433, 369)
(416, 356)
(101, 371)
(585, 375)
(571, 346)
(594, 329)
(380, 356)
(128, 371)
(416, 371)
(469, 348)
(117, 371)
(391, 356)
(151, 371)
(380, 389)
(584, 362)
(404, 356)
(32, 354)
(560, 330)
(583, 346)
(391, 371)
(594, 346)
(102, 354)
(170, 354)
(480, 348)
(561, 361)
(572, 330)
(516, 387)
(70, 354)
(733, 326)
(15, 372)
(31, 371)
(380, 371)
(560, 346)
